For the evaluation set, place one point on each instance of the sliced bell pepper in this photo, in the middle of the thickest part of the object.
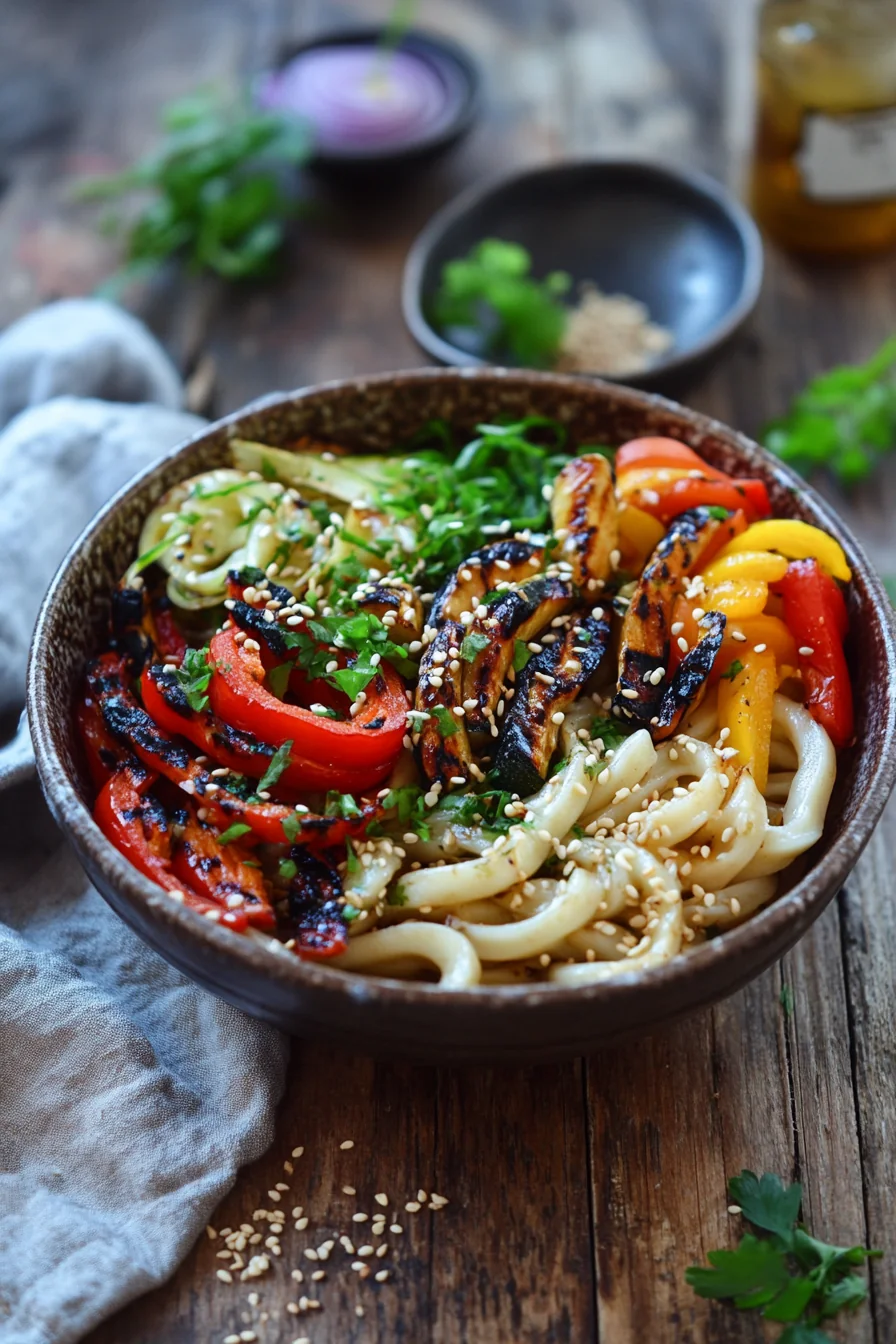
(758, 630)
(104, 754)
(273, 823)
(690, 493)
(368, 743)
(316, 906)
(639, 534)
(659, 452)
(737, 598)
(747, 565)
(746, 701)
(814, 611)
(795, 540)
(221, 874)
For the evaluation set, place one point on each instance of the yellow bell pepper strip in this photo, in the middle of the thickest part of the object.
(765, 565)
(796, 540)
(639, 535)
(746, 700)
(765, 633)
(737, 598)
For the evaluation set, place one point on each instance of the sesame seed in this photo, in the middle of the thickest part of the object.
(805, 651)
(396, 1228)
(412, 1206)
(224, 1275)
(365, 1250)
(346, 1144)
(310, 1253)
(759, 648)
(558, 717)
(381, 1198)
(382, 1275)
(359, 1218)
(629, 694)
(734, 1208)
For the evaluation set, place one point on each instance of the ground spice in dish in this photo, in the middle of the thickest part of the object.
(610, 333)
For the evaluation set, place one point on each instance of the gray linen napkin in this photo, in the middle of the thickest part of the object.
(128, 1097)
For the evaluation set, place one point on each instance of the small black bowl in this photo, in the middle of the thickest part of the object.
(674, 239)
(454, 68)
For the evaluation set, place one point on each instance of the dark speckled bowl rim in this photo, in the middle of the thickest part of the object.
(771, 924)
(679, 357)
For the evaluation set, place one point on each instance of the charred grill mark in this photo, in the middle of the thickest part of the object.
(442, 758)
(132, 725)
(256, 578)
(529, 735)
(487, 567)
(688, 685)
(584, 506)
(400, 600)
(375, 723)
(251, 619)
(315, 905)
(519, 614)
(645, 642)
(127, 609)
(172, 692)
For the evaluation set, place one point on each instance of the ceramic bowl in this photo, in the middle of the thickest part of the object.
(674, 239)
(420, 1020)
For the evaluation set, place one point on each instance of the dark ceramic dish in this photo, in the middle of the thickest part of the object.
(420, 1020)
(673, 239)
(455, 70)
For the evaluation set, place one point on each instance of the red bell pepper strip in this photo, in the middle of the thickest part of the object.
(242, 752)
(315, 907)
(170, 643)
(815, 613)
(661, 452)
(104, 754)
(667, 502)
(370, 742)
(271, 822)
(221, 874)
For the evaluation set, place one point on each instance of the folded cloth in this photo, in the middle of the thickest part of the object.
(128, 1097)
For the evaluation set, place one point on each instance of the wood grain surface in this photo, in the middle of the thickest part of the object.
(578, 1193)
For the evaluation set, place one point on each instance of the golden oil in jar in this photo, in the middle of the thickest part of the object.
(824, 166)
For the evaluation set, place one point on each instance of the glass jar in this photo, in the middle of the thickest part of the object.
(824, 167)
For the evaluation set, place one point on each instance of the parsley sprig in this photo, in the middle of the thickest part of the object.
(363, 634)
(786, 1274)
(485, 809)
(193, 677)
(844, 420)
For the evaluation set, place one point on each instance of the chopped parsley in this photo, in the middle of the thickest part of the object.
(291, 826)
(521, 655)
(193, 677)
(349, 911)
(398, 896)
(278, 679)
(733, 670)
(785, 1273)
(485, 809)
(361, 633)
(341, 805)
(280, 761)
(233, 832)
(448, 724)
(352, 862)
(408, 803)
(472, 645)
(716, 511)
(610, 731)
(288, 869)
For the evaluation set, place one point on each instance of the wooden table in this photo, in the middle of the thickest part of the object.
(579, 1193)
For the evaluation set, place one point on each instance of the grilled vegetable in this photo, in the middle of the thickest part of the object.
(316, 906)
(397, 606)
(520, 613)
(546, 687)
(443, 748)
(646, 630)
(583, 512)
(507, 561)
(221, 873)
(691, 677)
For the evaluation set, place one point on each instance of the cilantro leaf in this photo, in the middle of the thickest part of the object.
(291, 826)
(734, 669)
(278, 679)
(716, 511)
(765, 1202)
(341, 805)
(447, 722)
(280, 761)
(233, 832)
(610, 731)
(472, 645)
(352, 862)
(521, 655)
(756, 1271)
(193, 677)
(408, 803)
(288, 869)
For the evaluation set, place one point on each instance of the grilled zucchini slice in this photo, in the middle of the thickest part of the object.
(583, 506)
(548, 684)
(399, 601)
(507, 561)
(442, 754)
(520, 613)
(645, 641)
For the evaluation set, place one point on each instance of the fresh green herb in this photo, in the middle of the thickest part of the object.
(500, 474)
(485, 809)
(291, 827)
(288, 869)
(350, 912)
(733, 670)
(558, 766)
(448, 724)
(610, 731)
(408, 803)
(278, 679)
(492, 294)
(789, 1275)
(233, 832)
(280, 761)
(845, 419)
(786, 997)
(398, 896)
(473, 645)
(193, 677)
(521, 655)
(152, 554)
(218, 184)
(489, 599)
(352, 862)
(362, 633)
(341, 805)
(268, 470)
(716, 511)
